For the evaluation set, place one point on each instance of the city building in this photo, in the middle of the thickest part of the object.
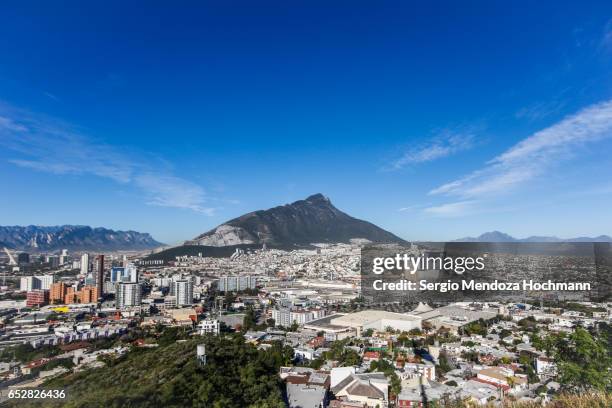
(88, 294)
(57, 292)
(169, 302)
(237, 283)
(23, 258)
(209, 326)
(63, 259)
(28, 283)
(128, 273)
(128, 294)
(100, 275)
(70, 296)
(183, 290)
(116, 274)
(37, 297)
(53, 261)
(84, 264)
(286, 316)
(377, 320)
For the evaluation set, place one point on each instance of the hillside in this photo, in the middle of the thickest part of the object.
(236, 375)
(303, 222)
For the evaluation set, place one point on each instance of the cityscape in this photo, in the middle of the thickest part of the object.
(318, 204)
(65, 313)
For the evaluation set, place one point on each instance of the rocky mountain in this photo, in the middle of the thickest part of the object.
(496, 236)
(303, 222)
(73, 237)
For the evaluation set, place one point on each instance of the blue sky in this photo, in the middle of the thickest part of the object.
(434, 121)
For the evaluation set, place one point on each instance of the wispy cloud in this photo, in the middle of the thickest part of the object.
(49, 145)
(533, 156)
(606, 38)
(456, 209)
(444, 144)
(408, 208)
(541, 110)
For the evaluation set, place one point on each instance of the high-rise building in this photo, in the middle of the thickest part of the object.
(128, 273)
(45, 281)
(88, 294)
(63, 259)
(100, 275)
(53, 261)
(131, 272)
(28, 283)
(70, 296)
(84, 264)
(116, 274)
(57, 292)
(128, 294)
(183, 290)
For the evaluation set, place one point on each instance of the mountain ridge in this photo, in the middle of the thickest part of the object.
(73, 237)
(497, 236)
(307, 221)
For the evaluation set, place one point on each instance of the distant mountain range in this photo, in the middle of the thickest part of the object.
(313, 220)
(73, 237)
(496, 236)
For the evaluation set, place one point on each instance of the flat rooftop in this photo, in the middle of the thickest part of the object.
(367, 316)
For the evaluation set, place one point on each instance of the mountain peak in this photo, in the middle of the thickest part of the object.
(303, 222)
(318, 198)
(73, 237)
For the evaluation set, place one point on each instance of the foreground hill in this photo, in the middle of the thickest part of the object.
(73, 237)
(303, 222)
(236, 375)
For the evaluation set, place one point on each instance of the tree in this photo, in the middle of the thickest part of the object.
(250, 319)
(532, 377)
(443, 365)
(583, 361)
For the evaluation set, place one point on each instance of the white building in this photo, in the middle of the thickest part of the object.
(84, 264)
(29, 283)
(286, 316)
(378, 320)
(128, 294)
(183, 290)
(209, 326)
(170, 302)
(45, 281)
(237, 283)
(545, 365)
(131, 272)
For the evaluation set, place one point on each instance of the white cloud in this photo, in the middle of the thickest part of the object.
(170, 191)
(533, 156)
(456, 209)
(46, 144)
(445, 144)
